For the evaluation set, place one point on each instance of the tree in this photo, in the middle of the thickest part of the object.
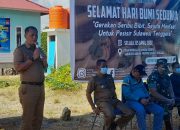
(44, 42)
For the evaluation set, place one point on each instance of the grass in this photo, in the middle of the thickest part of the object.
(55, 101)
(6, 81)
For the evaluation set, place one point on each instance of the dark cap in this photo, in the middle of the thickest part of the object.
(140, 69)
(161, 61)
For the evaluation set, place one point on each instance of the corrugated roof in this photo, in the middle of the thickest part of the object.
(23, 5)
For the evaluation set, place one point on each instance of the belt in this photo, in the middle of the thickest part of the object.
(32, 83)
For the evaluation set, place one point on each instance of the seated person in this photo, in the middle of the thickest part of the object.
(137, 98)
(102, 84)
(160, 87)
(175, 80)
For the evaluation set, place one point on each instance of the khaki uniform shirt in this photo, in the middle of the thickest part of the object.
(103, 87)
(35, 73)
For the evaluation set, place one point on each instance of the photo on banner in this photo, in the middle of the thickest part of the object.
(123, 32)
(4, 35)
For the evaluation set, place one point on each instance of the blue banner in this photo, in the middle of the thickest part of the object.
(4, 35)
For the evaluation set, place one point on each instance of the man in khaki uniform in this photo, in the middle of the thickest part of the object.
(105, 98)
(30, 62)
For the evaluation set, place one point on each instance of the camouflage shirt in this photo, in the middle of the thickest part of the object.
(162, 83)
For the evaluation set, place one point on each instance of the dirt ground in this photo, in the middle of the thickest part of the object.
(81, 116)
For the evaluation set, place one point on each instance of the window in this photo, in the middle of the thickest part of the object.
(18, 36)
(52, 38)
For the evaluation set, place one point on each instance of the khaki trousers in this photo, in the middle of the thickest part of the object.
(108, 110)
(32, 100)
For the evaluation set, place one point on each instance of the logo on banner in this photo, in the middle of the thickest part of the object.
(81, 73)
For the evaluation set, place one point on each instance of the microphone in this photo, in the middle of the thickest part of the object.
(37, 46)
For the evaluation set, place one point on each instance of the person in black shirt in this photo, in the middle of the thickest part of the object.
(175, 80)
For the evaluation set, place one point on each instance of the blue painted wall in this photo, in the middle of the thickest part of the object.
(20, 19)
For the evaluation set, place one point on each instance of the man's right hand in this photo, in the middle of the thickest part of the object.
(36, 54)
(144, 101)
(96, 110)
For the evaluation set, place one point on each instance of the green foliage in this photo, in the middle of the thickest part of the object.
(44, 42)
(9, 81)
(4, 84)
(61, 79)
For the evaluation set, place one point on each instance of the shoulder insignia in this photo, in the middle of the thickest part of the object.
(21, 46)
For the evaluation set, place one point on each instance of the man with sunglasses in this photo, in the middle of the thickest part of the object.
(160, 87)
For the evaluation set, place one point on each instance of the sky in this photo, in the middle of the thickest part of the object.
(50, 3)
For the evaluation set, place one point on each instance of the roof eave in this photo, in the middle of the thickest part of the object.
(35, 11)
(44, 14)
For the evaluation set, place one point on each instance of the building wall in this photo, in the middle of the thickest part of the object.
(62, 46)
(20, 19)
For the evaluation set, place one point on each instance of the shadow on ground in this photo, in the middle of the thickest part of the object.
(82, 122)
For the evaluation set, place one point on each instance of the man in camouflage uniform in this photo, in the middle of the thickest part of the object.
(160, 87)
